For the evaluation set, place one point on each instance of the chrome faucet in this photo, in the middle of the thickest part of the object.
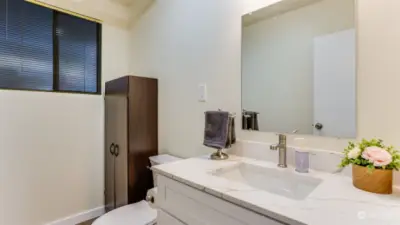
(281, 146)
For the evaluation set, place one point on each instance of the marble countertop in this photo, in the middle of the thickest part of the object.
(335, 201)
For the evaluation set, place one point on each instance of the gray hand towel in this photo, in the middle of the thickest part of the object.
(216, 129)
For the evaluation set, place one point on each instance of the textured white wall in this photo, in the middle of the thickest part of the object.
(184, 43)
(51, 146)
(277, 57)
(379, 71)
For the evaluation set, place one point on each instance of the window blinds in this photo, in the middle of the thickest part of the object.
(42, 49)
(26, 46)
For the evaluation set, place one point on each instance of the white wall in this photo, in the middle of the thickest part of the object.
(186, 42)
(253, 5)
(277, 57)
(51, 146)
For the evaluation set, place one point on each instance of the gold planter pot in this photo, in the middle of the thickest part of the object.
(379, 181)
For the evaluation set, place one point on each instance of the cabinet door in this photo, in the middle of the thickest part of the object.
(109, 158)
(195, 207)
(165, 219)
(120, 110)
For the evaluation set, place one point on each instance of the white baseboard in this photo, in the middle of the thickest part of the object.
(79, 217)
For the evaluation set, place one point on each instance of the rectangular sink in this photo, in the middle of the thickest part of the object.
(284, 183)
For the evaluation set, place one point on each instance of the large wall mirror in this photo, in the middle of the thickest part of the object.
(299, 68)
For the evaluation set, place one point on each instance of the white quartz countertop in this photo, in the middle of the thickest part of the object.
(334, 202)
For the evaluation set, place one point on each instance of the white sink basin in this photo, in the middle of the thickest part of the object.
(285, 183)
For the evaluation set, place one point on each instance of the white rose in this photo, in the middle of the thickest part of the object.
(354, 153)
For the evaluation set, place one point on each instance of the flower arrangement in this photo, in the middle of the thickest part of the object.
(372, 154)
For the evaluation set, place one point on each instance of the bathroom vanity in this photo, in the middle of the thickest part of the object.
(241, 190)
(298, 77)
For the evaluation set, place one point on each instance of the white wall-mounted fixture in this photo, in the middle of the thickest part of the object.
(202, 88)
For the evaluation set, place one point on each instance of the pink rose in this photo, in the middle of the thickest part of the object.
(378, 156)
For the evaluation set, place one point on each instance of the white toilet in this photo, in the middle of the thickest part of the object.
(140, 213)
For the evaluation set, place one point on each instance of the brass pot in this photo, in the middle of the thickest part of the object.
(378, 181)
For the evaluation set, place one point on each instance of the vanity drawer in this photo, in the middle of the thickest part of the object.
(195, 207)
(164, 219)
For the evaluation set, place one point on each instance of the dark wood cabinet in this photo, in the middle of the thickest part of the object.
(131, 137)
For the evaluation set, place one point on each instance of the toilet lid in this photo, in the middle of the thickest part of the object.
(135, 214)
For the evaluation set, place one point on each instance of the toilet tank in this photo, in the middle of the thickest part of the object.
(161, 159)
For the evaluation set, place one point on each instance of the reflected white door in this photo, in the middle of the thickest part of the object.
(335, 84)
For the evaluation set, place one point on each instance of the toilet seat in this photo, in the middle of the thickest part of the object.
(135, 214)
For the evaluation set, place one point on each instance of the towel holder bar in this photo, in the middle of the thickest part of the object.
(246, 111)
(232, 115)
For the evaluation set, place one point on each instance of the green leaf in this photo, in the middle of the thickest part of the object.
(363, 144)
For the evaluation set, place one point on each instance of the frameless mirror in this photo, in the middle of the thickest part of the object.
(299, 68)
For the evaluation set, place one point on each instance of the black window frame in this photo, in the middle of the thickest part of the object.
(55, 43)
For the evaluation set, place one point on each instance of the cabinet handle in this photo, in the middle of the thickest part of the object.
(112, 149)
(116, 151)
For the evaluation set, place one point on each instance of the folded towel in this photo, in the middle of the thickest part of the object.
(219, 130)
(216, 129)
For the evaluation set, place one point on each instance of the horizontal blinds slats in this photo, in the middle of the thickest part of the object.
(77, 40)
(27, 57)
(26, 52)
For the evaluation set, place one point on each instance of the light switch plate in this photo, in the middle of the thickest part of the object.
(202, 90)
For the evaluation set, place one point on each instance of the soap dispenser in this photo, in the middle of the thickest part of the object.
(302, 156)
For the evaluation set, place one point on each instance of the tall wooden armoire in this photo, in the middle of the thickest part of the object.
(131, 137)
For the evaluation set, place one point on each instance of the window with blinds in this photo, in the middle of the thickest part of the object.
(42, 49)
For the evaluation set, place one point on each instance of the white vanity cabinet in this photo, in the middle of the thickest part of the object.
(164, 218)
(181, 204)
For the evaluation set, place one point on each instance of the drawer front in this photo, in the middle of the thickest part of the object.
(195, 207)
(164, 219)
(194, 213)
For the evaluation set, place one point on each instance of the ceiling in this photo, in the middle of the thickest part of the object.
(121, 13)
(135, 8)
(274, 10)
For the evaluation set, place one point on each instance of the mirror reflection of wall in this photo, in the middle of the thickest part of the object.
(299, 68)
